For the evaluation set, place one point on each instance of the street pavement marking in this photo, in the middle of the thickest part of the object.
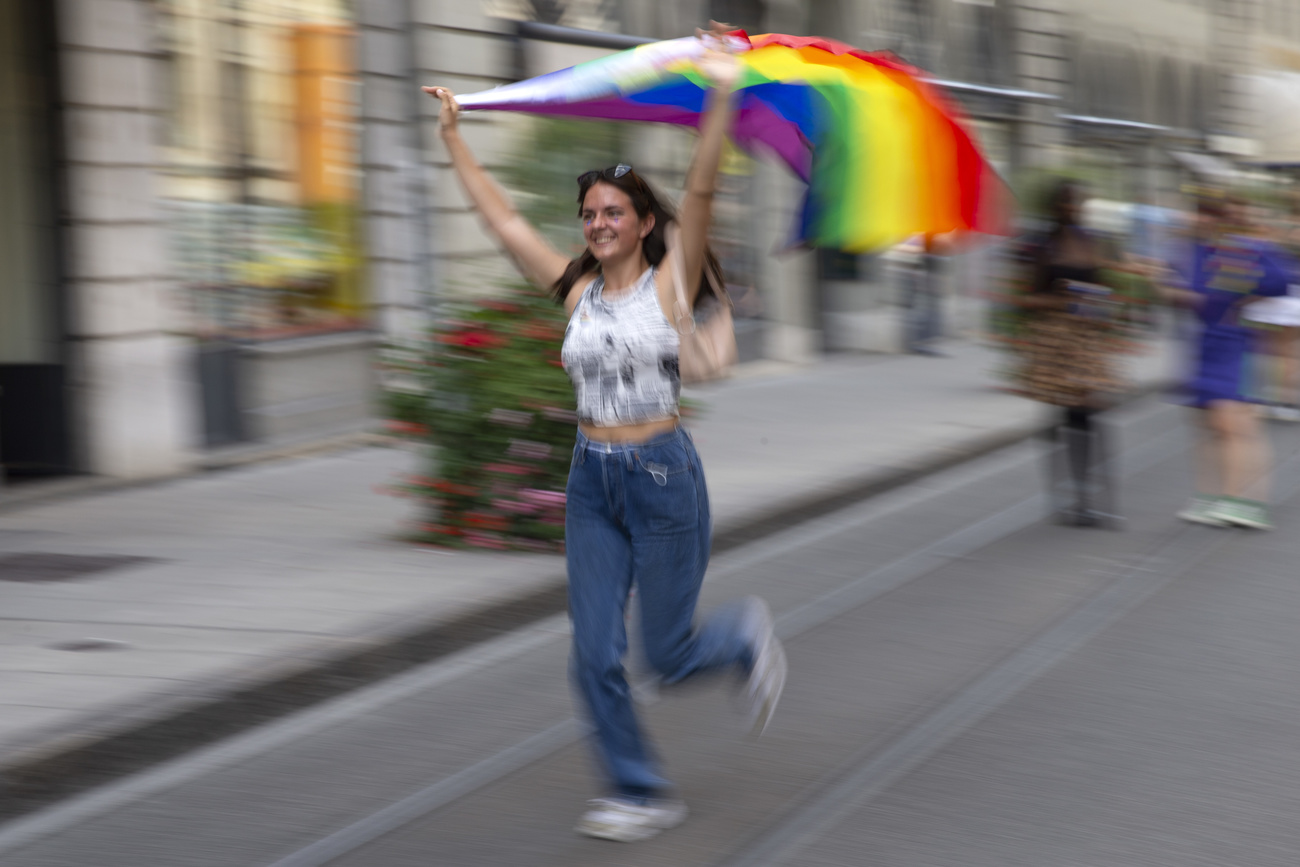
(539, 746)
(916, 493)
(875, 770)
(878, 769)
(439, 794)
(240, 748)
(27, 830)
(808, 616)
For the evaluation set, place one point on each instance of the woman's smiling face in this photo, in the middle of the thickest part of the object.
(610, 224)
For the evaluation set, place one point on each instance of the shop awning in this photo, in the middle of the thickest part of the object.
(990, 90)
(1115, 123)
(1210, 168)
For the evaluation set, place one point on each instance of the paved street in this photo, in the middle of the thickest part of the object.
(969, 685)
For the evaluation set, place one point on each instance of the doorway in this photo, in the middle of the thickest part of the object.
(34, 438)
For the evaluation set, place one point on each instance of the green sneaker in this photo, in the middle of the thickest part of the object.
(1237, 512)
(1202, 510)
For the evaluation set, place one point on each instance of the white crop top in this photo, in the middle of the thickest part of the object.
(621, 355)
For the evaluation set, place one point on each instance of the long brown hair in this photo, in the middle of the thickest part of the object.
(654, 246)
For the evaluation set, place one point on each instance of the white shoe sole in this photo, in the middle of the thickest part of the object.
(1246, 522)
(1206, 520)
(773, 686)
(616, 831)
(630, 825)
(767, 679)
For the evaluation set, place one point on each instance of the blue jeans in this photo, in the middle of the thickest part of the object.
(639, 513)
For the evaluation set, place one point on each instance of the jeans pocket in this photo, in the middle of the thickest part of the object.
(658, 472)
(663, 462)
(665, 497)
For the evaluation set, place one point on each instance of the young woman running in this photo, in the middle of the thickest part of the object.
(637, 508)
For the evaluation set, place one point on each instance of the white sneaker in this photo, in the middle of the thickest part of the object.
(767, 677)
(626, 821)
(1237, 512)
(1202, 510)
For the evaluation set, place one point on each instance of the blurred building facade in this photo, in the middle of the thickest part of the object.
(183, 208)
(1134, 95)
(215, 210)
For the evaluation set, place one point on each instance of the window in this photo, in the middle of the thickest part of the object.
(262, 177)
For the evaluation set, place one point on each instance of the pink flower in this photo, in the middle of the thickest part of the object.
(554, 413)
(514, 507)
(528, 449)
(484, 540)
(512, 417)
(543, 498)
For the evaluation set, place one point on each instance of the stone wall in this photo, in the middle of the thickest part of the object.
(392, 182)
(131, 374)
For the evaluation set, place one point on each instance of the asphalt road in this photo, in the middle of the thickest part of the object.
(969, 685)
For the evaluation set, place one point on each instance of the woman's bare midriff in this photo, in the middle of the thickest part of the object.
(628, 433)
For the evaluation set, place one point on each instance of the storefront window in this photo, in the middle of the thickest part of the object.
(262, 177)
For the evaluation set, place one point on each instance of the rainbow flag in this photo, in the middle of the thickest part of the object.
(884, 154)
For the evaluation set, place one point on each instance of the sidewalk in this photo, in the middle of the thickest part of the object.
(265, 587)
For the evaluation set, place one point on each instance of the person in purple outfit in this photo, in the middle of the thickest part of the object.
(1228, 269)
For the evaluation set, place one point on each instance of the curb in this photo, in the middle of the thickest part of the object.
(44, 774)
(38, 493)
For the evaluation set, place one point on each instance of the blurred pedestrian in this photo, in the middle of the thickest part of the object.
(923, 320)
(1069, 350)
(1228, 271)
(637, 507)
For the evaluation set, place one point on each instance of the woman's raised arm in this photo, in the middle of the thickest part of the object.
(697, 205)
(534, 256)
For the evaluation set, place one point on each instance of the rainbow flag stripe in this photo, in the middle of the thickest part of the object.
(884, 154)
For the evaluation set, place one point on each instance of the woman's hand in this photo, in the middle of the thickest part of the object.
(449, 114)
(719, 63)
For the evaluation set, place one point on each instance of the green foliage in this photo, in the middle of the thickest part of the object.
(489, 394)
(486, 390)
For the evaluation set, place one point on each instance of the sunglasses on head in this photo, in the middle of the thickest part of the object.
(586, 179)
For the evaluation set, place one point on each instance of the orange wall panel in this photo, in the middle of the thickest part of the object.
(326, 107)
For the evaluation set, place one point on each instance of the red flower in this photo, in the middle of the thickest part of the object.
(472, 339)
(409, 428)
(484, 339)
(453, 488)
(484, 521)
